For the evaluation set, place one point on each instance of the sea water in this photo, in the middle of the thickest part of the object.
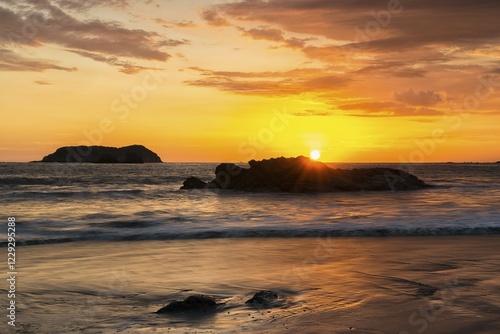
(75, 202)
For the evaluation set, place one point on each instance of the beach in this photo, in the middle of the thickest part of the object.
(328, 285)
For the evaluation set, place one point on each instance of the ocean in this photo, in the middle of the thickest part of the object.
(75, 202)
(101, 247)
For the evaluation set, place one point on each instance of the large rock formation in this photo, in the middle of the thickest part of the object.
(304, 175)
(103, 154)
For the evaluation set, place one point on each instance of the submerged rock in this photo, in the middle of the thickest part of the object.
(304, 175)
(193, 183)
(264, 299)
(426, 290)
(191, 303)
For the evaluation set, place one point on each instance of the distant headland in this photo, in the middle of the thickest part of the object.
(103, 154)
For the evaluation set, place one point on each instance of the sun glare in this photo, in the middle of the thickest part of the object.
(315, 154)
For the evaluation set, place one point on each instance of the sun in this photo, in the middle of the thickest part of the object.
(315, 154)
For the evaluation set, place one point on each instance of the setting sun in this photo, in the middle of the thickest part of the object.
(315, 154)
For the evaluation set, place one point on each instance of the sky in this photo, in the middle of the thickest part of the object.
(219, 80)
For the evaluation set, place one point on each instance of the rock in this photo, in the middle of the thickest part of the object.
(107, 159)
(427, 291)
(298, 175)
(103, 154)
(264, 299)
(133, 158)
(191, 303)
(193, 183)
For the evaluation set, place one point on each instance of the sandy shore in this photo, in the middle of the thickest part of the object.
(329, 285)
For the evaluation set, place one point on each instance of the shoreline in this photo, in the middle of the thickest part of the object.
(341, 285)
(279, 234)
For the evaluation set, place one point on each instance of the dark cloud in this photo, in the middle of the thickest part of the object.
(37, 23)
(414, 23)
(424, 98)
(18, 30)
(11, 61)
(355, 28)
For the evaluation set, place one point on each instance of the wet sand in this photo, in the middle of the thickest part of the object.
(329, 285)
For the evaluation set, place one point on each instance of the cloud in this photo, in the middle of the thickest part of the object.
(355, 31)
(42, 22)
(185, 24)
(369, 106)
(213, 18)
(285, 83)
(309, 113)
(408, 25)
(87, 4)
(11, 61)
(265, 33)
(42, 82)
(172, 42)
(181, 24)
(134, 69)
(126, 67)
(11, 28)
(269, 33)
(387, 109)
(424, 98)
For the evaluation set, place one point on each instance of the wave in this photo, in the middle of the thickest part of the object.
(92, 180)
(33, 195)
(267, 233)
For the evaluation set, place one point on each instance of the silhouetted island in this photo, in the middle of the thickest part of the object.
(103, 154)
(302, 174)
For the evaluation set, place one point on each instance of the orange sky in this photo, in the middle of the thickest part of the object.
(218, 80)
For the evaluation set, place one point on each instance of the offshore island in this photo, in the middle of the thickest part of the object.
(103, 154)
